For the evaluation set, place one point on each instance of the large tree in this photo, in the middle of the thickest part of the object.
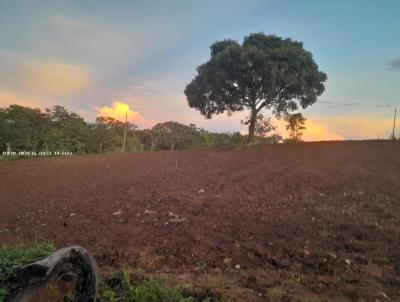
(262, 73)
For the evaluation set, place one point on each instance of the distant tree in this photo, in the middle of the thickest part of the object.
(273, 139)
(107, 135)
(218, 140)
(23, 127)
(170, 134)
(264, 72)
(295, 125)
(69, 131)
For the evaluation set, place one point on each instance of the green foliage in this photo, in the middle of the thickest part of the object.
(23, 127)
(264, 72)
(9, 157)
(109, 295)
(147, 290)
(13, 258)
(295, 125)
(291, 141)
(170, 135)
(57, 129)
(263, 125)
(220, 140)
(234, 141)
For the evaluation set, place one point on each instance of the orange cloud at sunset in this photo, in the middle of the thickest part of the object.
(360, 126)
(8, 98)
(317, 132)
(42, 78)
(118, 111)
(55, 78)
(367, 126)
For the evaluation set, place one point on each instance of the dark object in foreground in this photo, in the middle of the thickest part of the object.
(69, 274)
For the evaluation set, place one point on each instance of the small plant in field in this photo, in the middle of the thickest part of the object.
(9, 157)
(147, 290)
(13, 258)
(109, 295)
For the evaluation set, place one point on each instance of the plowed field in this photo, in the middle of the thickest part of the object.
(287, 222)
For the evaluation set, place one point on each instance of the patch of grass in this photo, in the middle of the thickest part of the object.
(8, 157)
(119, 288)
(13, 258)
(149, 289)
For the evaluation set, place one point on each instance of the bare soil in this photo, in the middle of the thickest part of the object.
(291, 222)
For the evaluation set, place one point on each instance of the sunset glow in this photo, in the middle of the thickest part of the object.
(118, 111)
(109, 62)
(316, 132)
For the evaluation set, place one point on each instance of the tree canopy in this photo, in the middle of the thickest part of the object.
(265, 72)
(57, 129)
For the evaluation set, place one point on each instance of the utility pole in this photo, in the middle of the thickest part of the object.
(394, 123)
(126, 124)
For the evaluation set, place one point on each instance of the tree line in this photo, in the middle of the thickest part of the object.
(57, 129)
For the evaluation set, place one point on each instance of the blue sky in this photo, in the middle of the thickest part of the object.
(86, 54)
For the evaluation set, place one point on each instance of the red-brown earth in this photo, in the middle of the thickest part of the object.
(288, 222)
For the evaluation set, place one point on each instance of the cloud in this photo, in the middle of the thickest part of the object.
(42, 78)
(8, 98)
(356, 126)
(119, 110)
(393, 64)
(55, 78)
(316, 132)
(344, 127)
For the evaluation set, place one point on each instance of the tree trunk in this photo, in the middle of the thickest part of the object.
(252, 125)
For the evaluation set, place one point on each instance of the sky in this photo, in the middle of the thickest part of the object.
(92, 55)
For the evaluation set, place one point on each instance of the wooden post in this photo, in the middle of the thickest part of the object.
(394, 124)
(126, 122)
